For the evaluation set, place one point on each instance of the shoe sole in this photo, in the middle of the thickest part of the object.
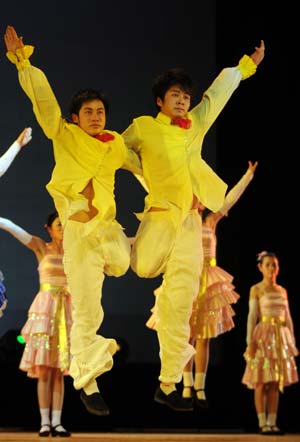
(97, 412)
(160, 401)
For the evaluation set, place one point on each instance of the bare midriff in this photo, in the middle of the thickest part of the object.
(84, 216)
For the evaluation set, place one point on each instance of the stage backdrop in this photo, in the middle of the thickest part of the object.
(120, 46)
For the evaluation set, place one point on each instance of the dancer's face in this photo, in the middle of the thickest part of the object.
(176, 102)
(56, 230)
(269, 267)
(91, 117)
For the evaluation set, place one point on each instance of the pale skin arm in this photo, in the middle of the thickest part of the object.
(251, 321)
(289, 321)
(38, 246)
(213, 218)
(8, 157)
(34, 243)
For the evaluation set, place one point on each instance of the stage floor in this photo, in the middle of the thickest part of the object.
(15, 436)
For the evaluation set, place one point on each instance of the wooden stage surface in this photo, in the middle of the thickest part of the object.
(15, 436)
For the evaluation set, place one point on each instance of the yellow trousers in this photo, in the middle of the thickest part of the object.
(91, 250)
(163, 246)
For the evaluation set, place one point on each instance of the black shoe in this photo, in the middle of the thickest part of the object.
(61, 433)
(94, 403)
(45, 430)
(173, 400)
(200, 403)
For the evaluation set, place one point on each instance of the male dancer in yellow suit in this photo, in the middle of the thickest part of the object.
(82, 187)
(177, 179)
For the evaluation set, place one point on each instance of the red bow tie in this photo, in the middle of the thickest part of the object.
(105, 136)
(185, 123)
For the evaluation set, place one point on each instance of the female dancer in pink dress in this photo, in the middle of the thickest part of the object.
(47, 330)
(212, 311)
(271, 349)
(5, 161)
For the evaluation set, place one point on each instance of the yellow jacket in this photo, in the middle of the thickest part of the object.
(78, 156)
(173, 168)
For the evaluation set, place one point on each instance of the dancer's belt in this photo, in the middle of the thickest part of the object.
(211, 262)
(48, 287)
(273, 320)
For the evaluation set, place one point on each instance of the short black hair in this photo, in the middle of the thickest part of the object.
(85, 95)
(175, 76)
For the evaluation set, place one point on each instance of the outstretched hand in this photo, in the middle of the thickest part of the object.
(25, 136)
(252, 166)
(12, 40)
(259, 53)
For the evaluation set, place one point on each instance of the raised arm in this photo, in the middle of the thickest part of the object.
(7, 158)
(34, 83)
(34, 243)
(219, 92)
(236, 192)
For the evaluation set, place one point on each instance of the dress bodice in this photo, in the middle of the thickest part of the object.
(209, 241)
(51, 270)
(273, 304)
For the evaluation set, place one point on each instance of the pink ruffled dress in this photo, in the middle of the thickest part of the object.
(274, 359)
(212, 312)
(47, 329)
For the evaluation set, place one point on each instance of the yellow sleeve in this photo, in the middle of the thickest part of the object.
(132, 162)
(21, 57)
(131, 136)
(247, 67)
(36, 86)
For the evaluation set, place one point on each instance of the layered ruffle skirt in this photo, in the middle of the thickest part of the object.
(212, 312)
(47, 331)
(274, 359)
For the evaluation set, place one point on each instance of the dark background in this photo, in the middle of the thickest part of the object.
(120, 47)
